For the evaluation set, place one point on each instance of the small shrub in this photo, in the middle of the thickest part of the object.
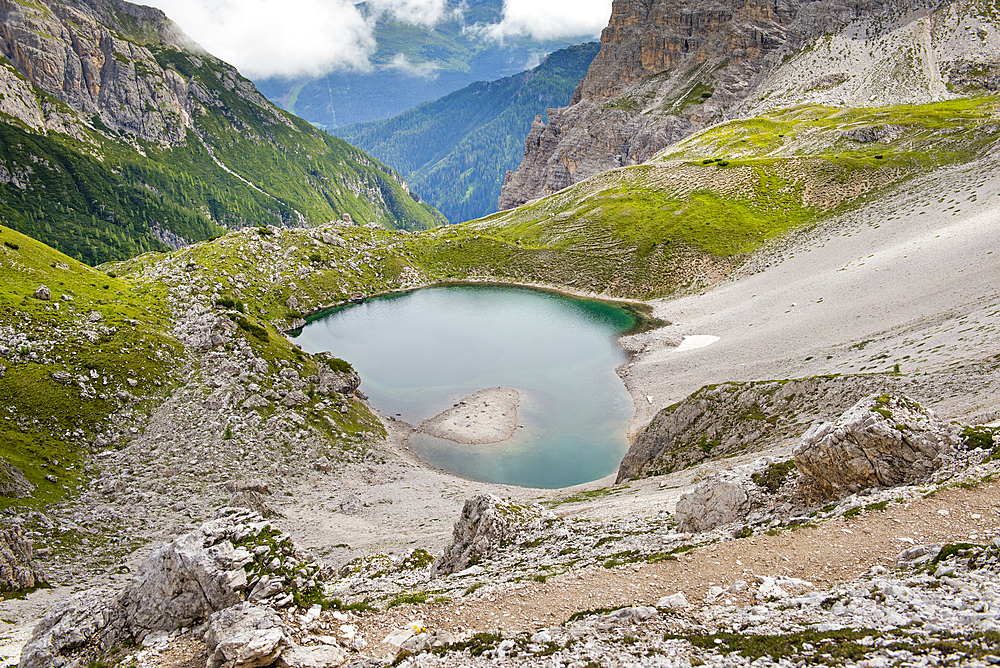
(263, 231)
(232, 304)
(774, 476)
(253, 329)
(415, 598)
(11, 246)
(978, 437)
(316, 258)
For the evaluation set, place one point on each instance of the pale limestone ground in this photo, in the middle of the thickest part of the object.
(488, 416)
(830, 553)
(911, 279)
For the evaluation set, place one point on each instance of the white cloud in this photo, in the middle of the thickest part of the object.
(549, 19)
(403, 64)
(266, 38)
(276, 37)
(416, 12)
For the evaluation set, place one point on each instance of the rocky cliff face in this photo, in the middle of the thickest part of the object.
(668, 68)
(77, 53)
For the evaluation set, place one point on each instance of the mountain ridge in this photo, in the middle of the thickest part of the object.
(659, 79)
(456, 150)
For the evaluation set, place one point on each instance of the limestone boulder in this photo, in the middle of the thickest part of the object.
(881, 441)
(752, 492)
(185, 581)
(487, 523)
(86, 618)
(245, 635)
(18, 569)
(181, 584)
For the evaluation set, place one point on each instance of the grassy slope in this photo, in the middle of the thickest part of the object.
(45, 423)
(690, 216)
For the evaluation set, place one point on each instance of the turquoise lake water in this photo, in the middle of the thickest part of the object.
(419, 352)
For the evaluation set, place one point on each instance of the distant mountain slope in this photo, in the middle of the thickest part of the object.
(456, 150)
(447, 57)
(118, 136)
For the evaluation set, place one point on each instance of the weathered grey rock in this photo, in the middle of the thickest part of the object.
(332, 378)
(186, 580)
(18, 568)
(181, 584)
(918, 555)
(13, 483)
(86, 618)
(245, 635)
(322, 656)
(254, 501)
(718, 420)
(295, 398)
(486, 524)
(42, 292)
(428, 640)
(881, 441)
(730, 496)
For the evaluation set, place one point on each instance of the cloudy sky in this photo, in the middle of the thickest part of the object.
(294, 37)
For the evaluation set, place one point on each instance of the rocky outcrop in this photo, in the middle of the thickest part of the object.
(18, 569)
(487, 523)
(668, 68)
(244, 635)
(13, 483)
(754, 492)
(335, 375)
(235, 557)
(71, 52)
(882, 441)
(729, 418)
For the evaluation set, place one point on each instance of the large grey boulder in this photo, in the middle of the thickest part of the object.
(882, 441)
(181, 584)
(86, 618)
(486, 523)
(18, 568)
(186, 580)
(245, 635)
(756, 491)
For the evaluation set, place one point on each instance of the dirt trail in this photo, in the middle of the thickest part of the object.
(833, 552)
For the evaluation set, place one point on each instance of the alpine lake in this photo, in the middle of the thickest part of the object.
(420, 353)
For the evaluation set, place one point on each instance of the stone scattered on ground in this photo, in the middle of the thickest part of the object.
(488, 416)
